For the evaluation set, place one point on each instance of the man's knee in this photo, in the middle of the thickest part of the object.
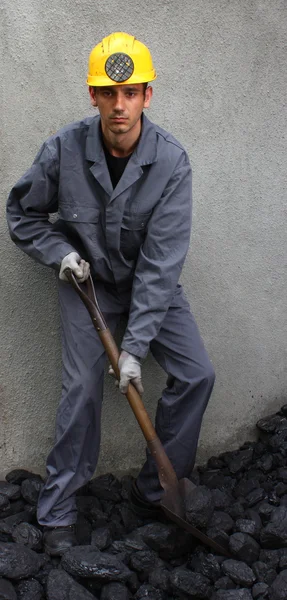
(203, 374)
(209, 373)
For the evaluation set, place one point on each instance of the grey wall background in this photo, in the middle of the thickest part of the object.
(221, 84)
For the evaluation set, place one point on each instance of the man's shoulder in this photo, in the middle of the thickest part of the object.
(72, 129)
(169, 149)
(167, 138)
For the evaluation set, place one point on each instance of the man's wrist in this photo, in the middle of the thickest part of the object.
(138, 358)
(135, 348)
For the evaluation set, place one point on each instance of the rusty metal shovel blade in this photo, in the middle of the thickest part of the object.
(176, 492)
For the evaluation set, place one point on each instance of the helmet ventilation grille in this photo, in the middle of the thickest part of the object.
(119, 67)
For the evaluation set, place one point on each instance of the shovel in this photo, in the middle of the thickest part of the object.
(175, 491)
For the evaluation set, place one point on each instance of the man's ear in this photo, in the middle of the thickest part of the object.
(93, 96)
(148, 96)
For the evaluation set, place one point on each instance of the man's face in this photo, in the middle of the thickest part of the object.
(120, 106)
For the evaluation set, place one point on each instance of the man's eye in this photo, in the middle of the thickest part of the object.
(130, 94)
(107, 94)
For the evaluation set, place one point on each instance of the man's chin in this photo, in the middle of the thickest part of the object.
(120, 128)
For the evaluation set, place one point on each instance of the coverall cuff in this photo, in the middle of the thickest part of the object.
(139, 350)
(63, 250)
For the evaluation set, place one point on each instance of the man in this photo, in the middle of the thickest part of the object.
(122, 189)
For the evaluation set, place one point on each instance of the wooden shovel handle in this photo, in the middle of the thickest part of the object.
(166, 472)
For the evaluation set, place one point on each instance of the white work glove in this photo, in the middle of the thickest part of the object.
(80, 267)
(130, 370)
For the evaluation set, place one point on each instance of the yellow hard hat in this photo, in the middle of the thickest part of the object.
(120, 59)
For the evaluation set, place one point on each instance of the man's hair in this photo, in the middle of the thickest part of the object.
(145, 84)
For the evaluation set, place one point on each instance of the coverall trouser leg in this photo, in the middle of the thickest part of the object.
(179, 350)
(73, 459)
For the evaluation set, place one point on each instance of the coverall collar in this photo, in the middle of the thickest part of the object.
(145, 152)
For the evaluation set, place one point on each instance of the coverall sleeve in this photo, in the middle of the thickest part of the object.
(160, 262)
(28, 207)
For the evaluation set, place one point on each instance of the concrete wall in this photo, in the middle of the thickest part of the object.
(220, 90)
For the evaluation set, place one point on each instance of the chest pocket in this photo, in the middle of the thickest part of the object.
(133, 232)
(79, 214)
(81, 224)
(81, 220)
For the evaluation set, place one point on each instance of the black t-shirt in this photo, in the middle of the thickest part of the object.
(116, 166)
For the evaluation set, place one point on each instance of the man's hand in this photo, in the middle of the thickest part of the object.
(130, 370)
(79, 267)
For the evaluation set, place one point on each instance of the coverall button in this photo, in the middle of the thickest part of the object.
(75, 216)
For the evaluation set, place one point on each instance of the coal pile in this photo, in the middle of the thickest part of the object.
(240, 502)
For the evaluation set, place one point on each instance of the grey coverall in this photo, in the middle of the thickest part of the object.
(135, 237)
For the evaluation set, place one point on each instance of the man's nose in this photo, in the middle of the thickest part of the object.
(119, 102)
